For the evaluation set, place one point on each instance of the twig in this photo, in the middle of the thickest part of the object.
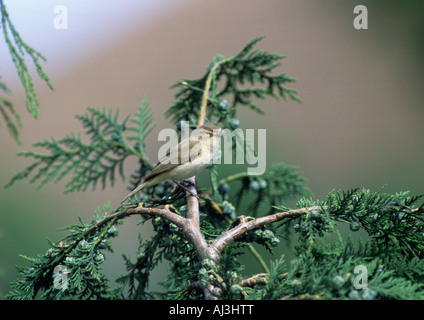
(155, 212)
(226, 238)
(196, 285)
(260, 278)
(233, 177)
(258, 257)
(205, 97)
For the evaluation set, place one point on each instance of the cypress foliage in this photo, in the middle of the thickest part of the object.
(18, 48)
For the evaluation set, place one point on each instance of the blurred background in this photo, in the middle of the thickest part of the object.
(360, 123)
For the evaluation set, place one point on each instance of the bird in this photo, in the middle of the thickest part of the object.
(186, 159)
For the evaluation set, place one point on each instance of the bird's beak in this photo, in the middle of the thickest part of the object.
(218, 133)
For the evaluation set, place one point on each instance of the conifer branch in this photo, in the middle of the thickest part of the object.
(10, 114)
(18, 48)
(211, 75)
(245, 226)
(191, 228)
(97, 161)
(153, 212)
(199, 99)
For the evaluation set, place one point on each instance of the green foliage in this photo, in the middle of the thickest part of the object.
(328, 272)
(279, 183)
(388, 219)
(326, 269)
(94, 162)
(322, 269)
(391, 253)
(240, 74)
(10, 114)
(18, 48)
(80, 255)
(325, 264)
(134, 284)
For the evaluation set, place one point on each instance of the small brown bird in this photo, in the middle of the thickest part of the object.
(186, 159)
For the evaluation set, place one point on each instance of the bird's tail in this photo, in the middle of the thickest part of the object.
(141, 186)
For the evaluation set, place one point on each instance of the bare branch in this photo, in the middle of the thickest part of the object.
(155, 212)
(190, 227)
(245, 226)
(260, 278)
(191, 231)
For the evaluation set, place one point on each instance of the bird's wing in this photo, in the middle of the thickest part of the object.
(177, 155)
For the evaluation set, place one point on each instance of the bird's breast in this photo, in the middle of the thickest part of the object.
(187, 170)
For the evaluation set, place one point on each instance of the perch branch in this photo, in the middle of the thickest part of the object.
(190, 227)
(226, 238)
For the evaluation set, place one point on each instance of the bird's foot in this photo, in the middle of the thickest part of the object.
(189, 183)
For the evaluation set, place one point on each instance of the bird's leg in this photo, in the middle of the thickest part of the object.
(181, 185)
(174, 190)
